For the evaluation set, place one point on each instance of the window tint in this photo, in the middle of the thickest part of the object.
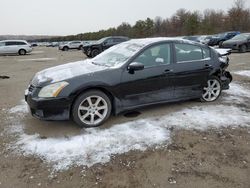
(20, 43)
(187, 52)
(116, 40)
(109, 41)
(156, 55)
(11, 43)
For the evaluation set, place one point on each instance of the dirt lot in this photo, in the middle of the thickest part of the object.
(211, 157)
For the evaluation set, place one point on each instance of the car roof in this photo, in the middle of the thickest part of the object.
(13, 41)
(148, 41)
(124, 37)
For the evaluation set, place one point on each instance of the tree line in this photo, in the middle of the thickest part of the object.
(182, 23)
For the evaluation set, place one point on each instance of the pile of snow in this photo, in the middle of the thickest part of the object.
(38, 59)
(236, 93)
(243, 73)
(94, 146)
(98, 145)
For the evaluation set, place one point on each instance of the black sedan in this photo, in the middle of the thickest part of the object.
(93, 49)
(130, 75)
(240, 42)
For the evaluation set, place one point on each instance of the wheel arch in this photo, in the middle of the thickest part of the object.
(22, 49)
(109, 94)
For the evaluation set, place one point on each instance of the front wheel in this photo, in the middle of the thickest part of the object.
(212, 90)
(91, 109)
(22, 52)
(243, 48)
(65, 48)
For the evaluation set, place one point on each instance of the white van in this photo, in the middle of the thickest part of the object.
(20, 47)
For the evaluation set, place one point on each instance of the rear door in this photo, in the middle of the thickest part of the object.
(11, 47)
(75, 44)
(192, 67)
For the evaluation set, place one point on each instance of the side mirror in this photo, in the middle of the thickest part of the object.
(135, 66)
(104, 43)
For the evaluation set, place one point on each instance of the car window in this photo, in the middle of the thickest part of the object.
(2, 43)
(117, 40)
(206, 53)
(20, 43)
(109, 41)
(11, 43)
(156, 55)
(188, 52)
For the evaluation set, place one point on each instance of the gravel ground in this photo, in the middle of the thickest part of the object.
(191, 157)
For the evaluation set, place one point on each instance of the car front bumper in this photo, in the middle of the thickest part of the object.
(48, 109)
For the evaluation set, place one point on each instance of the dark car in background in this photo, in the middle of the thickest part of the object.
(195, 38)
(127, 76)
(204, 39)
(240, 42)
(99, 46)
(218, 39)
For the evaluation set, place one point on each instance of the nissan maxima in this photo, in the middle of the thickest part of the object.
(127, 76)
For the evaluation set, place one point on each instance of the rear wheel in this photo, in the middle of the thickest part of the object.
(91, 109)
(65, 48)
(220, 44)
(212, 90)
(22, 52)
(243, 48)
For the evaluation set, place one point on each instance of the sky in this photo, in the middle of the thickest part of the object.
(66, 17)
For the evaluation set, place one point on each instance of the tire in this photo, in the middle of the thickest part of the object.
(212, 91)
(243, 48)
(80, 47)
(22, 52)
(94, 52)
(65, 48)
(85, 110)
(220, 44)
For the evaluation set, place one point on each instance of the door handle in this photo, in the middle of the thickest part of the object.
(168, 71)
(207, 66)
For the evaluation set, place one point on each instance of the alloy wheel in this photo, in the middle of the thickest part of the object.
(212, 91)
(93, 110)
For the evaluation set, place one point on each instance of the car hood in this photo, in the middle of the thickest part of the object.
(66, 71)
(234, 41)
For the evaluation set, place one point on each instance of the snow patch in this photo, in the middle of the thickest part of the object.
(20, 109)
(243, 73)
(238, 90)
(37, 59)
(97, 145)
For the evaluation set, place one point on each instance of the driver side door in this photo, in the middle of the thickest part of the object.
(152, 84)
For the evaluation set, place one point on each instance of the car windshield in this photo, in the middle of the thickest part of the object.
(101, 40)
(221, 35)
(117, 55)
(241, 37)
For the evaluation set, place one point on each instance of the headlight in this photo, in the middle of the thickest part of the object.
(52, 90)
